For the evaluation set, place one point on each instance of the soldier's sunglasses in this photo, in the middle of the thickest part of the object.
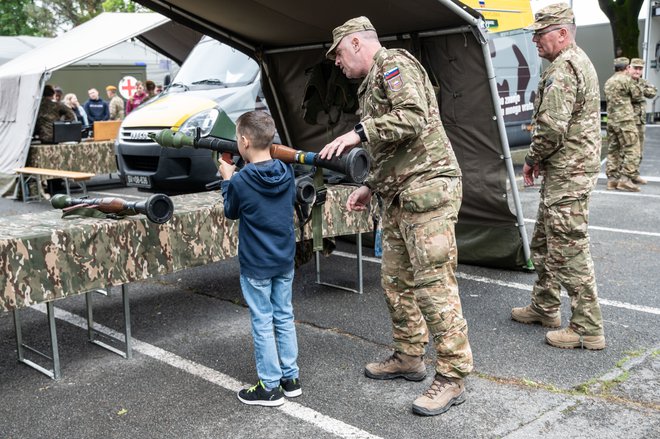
(540, 33)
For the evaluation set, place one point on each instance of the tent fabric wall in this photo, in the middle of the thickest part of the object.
(23, 78)
(288, 37)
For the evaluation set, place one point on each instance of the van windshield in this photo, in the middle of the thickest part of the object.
(212, 64)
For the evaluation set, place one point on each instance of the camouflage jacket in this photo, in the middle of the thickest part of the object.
(620, 92)
(401, 118)
(647, 91)
(566, 120)
(49, 112)
(116, 108)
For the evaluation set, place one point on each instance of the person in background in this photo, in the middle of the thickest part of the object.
(71, 101)
(150, 88)
(49, 112)
(159, 89)
(262, 196)
(565, 149)
(622, 137)
(116, 103)
(648, 91)
(138, 98)
(96, 108)
(58, 94)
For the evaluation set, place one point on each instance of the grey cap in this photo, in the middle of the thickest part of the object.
(558, 13)
(353, 25)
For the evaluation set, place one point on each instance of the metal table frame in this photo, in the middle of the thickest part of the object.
(54, 357)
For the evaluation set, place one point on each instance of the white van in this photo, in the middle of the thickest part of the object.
(214, 76)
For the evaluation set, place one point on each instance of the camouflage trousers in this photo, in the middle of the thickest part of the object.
(641, 130)
(561, 256)
(419, 261)
(622, 151)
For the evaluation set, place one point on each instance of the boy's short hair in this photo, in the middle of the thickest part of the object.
(258, 126)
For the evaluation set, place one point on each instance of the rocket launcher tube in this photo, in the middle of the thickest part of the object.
(355, 165)
(158, 207)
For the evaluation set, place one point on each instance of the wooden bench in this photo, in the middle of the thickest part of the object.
(34, 174)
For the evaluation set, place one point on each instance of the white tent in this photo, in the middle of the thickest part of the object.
(22, 79)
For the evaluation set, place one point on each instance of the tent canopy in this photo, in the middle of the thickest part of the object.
(290, 37)
(22, 79)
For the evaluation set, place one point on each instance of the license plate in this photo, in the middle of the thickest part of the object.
(138, 180)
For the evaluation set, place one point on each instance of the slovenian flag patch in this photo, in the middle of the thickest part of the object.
(393, 78)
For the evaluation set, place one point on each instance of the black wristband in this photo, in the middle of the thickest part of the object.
(529, 161)
(359, 129)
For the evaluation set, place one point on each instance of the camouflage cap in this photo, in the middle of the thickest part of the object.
(621, 61)
(558, 13)
(353, 25)
(637, 62)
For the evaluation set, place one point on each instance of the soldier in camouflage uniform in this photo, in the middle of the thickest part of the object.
(417, 175)
(565, 149)
(116, 104)
(622, 138)
(49, 112)
(648, 91)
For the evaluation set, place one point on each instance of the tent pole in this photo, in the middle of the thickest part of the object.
(507, 154)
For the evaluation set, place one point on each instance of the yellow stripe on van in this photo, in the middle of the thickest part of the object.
(169, 111)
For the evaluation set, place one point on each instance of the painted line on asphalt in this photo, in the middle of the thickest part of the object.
(518, 286)
(603, 176)
(293, 409)
(627, 194)
(610, 229)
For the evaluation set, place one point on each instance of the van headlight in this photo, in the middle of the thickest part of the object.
(204, 120)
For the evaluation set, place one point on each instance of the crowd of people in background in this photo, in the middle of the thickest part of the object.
(57, 106)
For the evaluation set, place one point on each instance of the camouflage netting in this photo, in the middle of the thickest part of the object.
(44, 257)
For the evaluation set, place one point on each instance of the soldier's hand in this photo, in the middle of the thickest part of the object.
(341, 143)
(529, 174)
(359, 199)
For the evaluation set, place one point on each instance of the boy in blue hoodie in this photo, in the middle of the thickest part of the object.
(261, 196)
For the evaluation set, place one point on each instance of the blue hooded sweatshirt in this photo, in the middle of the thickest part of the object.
(261, 196)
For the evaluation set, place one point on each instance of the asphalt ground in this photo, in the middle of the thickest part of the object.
(193, 350)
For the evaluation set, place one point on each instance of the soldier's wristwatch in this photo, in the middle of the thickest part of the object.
(359, 129)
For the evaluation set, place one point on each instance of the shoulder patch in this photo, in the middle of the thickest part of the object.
(394, 79)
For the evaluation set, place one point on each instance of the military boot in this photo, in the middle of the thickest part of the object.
(625, 184)
(397, 365)
(527, 314)
(443, 393)
(568, 339)
(611, 184)
(639, 180)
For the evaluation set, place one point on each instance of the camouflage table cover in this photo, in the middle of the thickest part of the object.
(44, 257)
(95, 157)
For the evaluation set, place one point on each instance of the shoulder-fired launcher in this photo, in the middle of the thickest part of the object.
(355, 164)
(158, 207)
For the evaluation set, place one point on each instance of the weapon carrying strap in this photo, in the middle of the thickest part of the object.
(317, 212)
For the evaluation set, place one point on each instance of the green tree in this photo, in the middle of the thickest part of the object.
(623, 16)
(15, 18)
(48, 18)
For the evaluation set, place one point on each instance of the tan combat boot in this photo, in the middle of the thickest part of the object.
(443, 393)
(625, 184)
(528, 315)
(639, 180)
(611, 183)
(568, 339)
(397, 365)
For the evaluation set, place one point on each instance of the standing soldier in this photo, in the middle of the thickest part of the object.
(116, 103)
(648, 91)
(622, 137)
(565, 149)
(416, 173)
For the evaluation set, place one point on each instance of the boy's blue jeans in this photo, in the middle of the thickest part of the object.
(273, 328)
